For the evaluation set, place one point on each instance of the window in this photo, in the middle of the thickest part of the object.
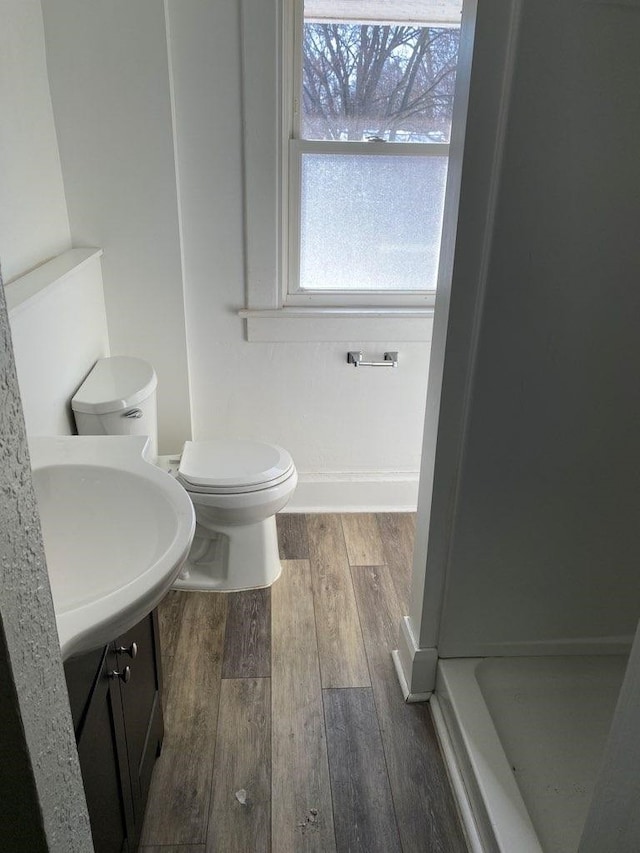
(370, 105)
(347, 119)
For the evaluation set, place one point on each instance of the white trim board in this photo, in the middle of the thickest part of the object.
(23, 291)
(409, 697)
(432, 13)
(415, 666)
(333, 324)
(355, 492)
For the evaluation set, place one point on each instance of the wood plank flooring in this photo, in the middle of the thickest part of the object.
(247, 645)
(285, 728)
(302, 814)
(343, 662)
(363, 805)
(241, 803)
(178, 805)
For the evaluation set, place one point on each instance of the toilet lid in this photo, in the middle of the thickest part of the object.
(232, 465)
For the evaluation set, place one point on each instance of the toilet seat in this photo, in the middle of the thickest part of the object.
(233, 466)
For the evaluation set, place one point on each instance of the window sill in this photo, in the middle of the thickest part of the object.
(338, 324)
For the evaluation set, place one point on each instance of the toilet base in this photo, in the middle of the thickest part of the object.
(232, 558)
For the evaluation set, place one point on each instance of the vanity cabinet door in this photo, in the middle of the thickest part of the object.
(103, 761)
(115, 698)
(141, 707)
(81, 675)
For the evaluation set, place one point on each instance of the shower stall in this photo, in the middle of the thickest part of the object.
(526, 587)
(529, 735)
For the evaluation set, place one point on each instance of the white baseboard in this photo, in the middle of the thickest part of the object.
(355, 492)
(415, 667)
(409, 697)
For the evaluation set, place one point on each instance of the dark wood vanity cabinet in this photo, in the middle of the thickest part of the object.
(117, 716)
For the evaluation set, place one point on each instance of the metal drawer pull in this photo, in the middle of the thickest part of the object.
(132, 413)
(131, 650)
(124, 675)
(355, 358)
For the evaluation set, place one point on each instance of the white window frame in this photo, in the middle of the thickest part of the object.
(272, 47)
(293, 150)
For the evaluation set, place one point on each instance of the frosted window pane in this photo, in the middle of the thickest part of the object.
(370, 222)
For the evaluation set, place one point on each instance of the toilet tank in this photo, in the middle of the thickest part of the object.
(118, 397)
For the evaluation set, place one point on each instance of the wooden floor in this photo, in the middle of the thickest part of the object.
(285, 728)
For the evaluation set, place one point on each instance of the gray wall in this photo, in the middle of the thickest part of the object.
(545, 542)
(19, 808)
(38, 745)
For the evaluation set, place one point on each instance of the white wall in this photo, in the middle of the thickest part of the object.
(33, 216)
(339, 423)
(42, 794)
(544, 545)
(109, 75)
(59, 331)
(355, 433)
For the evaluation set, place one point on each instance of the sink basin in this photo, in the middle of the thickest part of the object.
(116, 532)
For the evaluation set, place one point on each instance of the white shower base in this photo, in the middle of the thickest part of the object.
(527, 735)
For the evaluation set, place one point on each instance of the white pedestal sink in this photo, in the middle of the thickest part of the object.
(116, 532)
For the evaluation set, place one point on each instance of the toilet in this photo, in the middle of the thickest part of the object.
(236, 486)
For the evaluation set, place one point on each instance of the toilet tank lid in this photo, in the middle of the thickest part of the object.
(115, 383)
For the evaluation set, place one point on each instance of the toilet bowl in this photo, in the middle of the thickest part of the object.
(236, 486)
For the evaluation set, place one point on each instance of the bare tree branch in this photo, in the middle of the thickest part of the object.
(377, 80)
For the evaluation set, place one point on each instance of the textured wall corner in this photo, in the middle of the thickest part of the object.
(26, 612)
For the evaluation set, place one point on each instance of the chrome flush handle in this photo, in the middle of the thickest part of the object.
(132, 413)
